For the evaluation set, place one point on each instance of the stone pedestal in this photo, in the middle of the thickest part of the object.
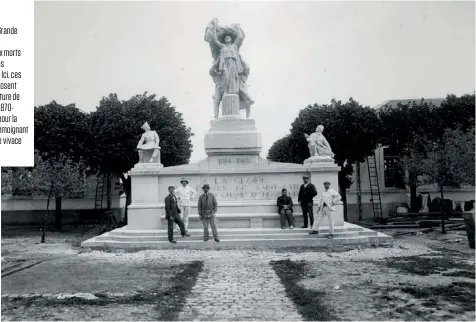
(233, 136)
(319, 159)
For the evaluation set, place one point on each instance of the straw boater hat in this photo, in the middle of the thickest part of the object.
(183, 179)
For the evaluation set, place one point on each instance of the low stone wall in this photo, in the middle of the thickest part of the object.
(393, 197)
(19, 211)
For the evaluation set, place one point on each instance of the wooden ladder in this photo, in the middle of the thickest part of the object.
(374, 188)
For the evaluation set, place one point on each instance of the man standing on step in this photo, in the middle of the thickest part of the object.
(172, 212)
(185, 194)
(207, 211)
(326, 207)
(285, 209)
(305, 198)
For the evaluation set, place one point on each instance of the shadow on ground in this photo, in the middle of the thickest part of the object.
(160, 297)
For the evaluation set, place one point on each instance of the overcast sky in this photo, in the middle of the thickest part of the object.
(299, 53)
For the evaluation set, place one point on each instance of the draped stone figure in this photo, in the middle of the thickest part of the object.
(148, 146)
(319, 148)
(229, 71)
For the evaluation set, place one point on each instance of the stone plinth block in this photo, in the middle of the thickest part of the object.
(233, 136)
(230, 106)
(319, 159)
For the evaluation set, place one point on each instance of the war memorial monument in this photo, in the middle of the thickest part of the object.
(245, 184)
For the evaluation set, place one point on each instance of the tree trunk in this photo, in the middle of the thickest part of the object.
(443, 228)
(45, 222)
(58, 213)
(413, 198)
(359, 191)
(108, 191)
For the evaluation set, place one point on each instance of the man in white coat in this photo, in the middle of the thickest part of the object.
(326, 207)
(184, 194)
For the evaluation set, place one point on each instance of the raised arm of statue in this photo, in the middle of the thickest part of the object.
(306, 135)
(240, 35)
(215, 37)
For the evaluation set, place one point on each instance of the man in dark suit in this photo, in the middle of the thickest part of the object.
(172, 212)
(306, 194)
(285, 209)
(207, 211)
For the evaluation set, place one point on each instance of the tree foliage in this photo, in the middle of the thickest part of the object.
(57, 176)
(116, 130)
(62, 130)
(283, 150)
(403, 124)
(351, 129)
(449, 162)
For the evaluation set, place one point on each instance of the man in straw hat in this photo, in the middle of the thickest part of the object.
(326, 207)
(172, 212)
(207, 209)
(184, 194)
(306, 194)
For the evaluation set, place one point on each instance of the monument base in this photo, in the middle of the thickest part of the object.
(348, 234)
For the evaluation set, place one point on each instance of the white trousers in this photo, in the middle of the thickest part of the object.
(325, 212)
(184, 215)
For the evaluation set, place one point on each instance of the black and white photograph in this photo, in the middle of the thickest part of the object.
(238, 161)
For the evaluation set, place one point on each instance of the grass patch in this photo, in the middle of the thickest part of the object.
(458, 293)
(424, 266)
(309, 303)
(461, 273)
(168, 302)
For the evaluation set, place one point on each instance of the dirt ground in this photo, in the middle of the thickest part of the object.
(428, 277)
(422, 277)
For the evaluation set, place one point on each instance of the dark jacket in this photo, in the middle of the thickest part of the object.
(283, 201)
(171, 207)
(307, 193)
(207, 206)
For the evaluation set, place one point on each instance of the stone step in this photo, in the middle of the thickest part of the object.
(246, 220)
(199, 236)
(379, 239)
(233, 231)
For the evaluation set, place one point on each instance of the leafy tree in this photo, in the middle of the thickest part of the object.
(351, 129)
(456, 112)
(411, 126)
(62, 130)
(448, 162)
(16, 181)
(283, 150)
(116, 130)
(59, 177)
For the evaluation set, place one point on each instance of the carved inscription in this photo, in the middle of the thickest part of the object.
(248, 187)
(234, 161)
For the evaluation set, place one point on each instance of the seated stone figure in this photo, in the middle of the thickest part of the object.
(319, 148)
(148, 146)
